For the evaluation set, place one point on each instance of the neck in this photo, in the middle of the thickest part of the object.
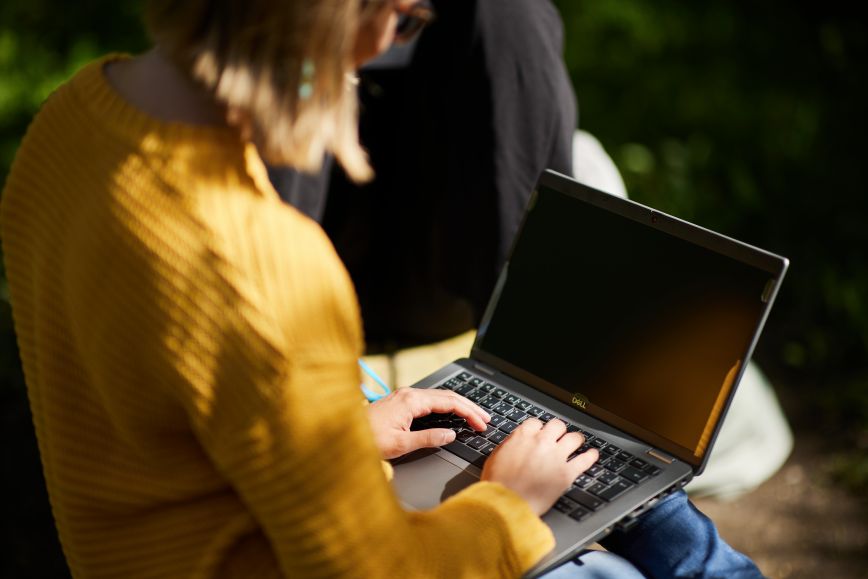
(154, 84)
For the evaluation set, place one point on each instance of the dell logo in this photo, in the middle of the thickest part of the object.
(580, 400)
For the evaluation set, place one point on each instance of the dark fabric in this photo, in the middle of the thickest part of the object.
(307, 192)
(457, 139)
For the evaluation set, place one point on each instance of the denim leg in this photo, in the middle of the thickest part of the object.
(595, 565)
(675, 540)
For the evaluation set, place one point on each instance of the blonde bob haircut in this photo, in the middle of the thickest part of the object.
(282, 69)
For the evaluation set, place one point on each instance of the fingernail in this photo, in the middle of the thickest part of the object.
(448, 437)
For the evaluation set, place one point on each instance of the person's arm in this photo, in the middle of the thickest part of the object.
(275, 404)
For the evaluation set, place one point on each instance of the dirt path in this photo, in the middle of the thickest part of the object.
(797, 525)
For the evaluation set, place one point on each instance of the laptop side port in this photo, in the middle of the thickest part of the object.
(629, 521)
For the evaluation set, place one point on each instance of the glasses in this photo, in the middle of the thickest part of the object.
(411, 19)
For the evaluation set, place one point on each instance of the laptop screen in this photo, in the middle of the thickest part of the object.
(632, 323)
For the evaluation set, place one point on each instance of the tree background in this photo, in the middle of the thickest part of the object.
(745, 117)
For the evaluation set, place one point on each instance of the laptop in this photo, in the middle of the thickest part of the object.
(632, 326)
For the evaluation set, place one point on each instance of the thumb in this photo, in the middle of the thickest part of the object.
(431, 438)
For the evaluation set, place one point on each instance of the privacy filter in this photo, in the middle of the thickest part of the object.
(636, 323)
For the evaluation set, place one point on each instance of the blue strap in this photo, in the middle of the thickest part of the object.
(370, 394)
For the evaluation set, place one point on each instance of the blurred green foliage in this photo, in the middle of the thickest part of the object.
(749, 118)
(746, 117)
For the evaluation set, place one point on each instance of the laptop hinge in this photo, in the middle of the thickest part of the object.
(660, 456)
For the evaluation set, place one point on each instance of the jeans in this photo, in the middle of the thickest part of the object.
(673, 540)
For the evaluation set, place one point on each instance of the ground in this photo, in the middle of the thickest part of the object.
(798, 524)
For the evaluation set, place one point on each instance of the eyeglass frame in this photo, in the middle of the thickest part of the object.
(411, 19)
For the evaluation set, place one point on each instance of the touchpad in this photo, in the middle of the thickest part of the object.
(423, 480)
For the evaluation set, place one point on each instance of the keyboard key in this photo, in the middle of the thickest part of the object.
(620, 487)
(477, 395)
(465, 435)
(457, 422)
(489, 430)
(535, 411)
(597, 488)
(454, 383)
(487, 449)
(611, 449)
(477, 381)
(497, 437)
(584, 481)
(488, 387)
(598, 443)
(546, 416)
(595, 471)
(638, 463)
(608, 478)
(477, 443)
(634, 474)
(467, 453)
(524, 405)
(465, 376)
(512, 399)
(585, 499)
(572, 428)
(615, 465)
(508, 426)
(503, 408)
(580, 513)
(625, 456)
(652, 470)
(489, 402)
(565, 505)
(517, 415)
(497, 420)
(465, 389)
(499, 392)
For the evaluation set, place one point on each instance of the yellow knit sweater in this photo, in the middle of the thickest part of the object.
(190, 345)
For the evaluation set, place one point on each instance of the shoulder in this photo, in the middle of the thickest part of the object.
(285, 263)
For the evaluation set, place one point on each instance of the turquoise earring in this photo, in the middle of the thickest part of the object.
(305, 87)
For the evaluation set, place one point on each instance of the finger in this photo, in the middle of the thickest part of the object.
(554, 429)
(530, 425)
(570, 442)
(443, 401)
(431, 438)
(475, 416)
(583, 462)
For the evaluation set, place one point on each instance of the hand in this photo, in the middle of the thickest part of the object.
(391, 417)
(533, 462)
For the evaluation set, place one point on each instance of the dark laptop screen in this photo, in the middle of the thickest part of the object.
(632, 321)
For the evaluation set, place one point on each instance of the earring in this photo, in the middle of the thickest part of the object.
(305, 87)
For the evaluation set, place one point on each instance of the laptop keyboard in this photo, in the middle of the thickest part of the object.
(615, 473)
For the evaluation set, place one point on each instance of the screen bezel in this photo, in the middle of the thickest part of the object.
(774, 265)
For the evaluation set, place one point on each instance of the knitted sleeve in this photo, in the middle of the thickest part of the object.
(278, 412)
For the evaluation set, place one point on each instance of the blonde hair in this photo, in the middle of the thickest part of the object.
(282, 68)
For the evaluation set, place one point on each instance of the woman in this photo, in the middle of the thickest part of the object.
(190, 343)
